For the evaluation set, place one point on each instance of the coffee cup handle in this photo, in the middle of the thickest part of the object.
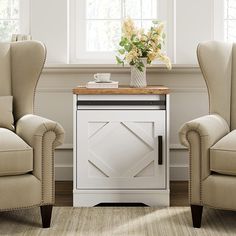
(95, 77)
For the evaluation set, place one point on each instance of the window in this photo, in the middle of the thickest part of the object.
(9, 18)
(95, 26)
(230, 20)
(14, 18)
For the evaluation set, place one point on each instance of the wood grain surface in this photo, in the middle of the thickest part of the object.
(156, 90)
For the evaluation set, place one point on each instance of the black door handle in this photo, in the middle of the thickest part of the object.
(160, 150)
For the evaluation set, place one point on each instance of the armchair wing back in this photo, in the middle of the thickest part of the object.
(218, 64)
(27, 61)
(211, 139)
(5, 68)
(22, 66)
(26, 153)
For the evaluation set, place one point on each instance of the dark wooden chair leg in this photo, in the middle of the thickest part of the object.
(196, 215)
(46, 213)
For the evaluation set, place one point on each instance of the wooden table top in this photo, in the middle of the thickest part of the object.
(156, 90)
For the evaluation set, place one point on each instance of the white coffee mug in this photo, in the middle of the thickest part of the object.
(102, 77)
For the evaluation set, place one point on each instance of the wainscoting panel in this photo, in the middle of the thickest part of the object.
(188, 100)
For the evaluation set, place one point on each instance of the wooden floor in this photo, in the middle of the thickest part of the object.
(178, 193)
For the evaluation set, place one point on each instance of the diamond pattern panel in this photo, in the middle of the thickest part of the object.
(111, 146)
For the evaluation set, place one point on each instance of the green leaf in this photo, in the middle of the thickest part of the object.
(122, 42)
(140, 68)
(119, 61)
(121, 51)
(128, 47)
(141, 64)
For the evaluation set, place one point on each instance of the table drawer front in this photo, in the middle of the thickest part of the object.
(150, 102)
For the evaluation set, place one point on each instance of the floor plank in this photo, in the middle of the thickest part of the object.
(64, 195)
(178, 193)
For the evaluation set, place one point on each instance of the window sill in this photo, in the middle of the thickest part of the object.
(94, 68)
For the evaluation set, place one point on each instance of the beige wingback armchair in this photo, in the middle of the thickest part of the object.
(27, 146)
(212, 139)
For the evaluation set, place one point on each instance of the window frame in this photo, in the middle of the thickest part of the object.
(165, 12)
(24, 17)
(218, 20)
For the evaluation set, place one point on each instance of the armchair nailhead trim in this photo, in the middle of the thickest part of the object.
(52, 167)
(190, 166)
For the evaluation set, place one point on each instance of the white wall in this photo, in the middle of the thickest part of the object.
(49, 24)
(194, 23)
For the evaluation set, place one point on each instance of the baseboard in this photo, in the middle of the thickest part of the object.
(177, 173)
(63, 172)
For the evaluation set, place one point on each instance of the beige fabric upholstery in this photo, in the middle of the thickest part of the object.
(6, 116)
(27, 60)
(215, 59)
(212, 139)
(35, 138)
(5, 68)
(233, 89)
(20, 191)
(199, 135)
(43, 135)
(16, 157)
(210, 129)
(219, 192)
(223, 155)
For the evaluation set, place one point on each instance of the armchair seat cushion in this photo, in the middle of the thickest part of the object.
(16, 156)
(223, 155)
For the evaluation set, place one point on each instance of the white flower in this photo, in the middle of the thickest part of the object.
(128, 28)
(137, 43)
(132, 55)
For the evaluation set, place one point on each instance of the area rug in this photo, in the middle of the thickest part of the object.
(109, 221)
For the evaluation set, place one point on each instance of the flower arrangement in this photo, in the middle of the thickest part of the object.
(136, 44)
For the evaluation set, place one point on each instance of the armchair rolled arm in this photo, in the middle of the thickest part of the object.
(43, 136)
(210, 127)
(30, 126)
(199, 135)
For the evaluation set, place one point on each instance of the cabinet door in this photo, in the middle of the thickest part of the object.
(118, 149)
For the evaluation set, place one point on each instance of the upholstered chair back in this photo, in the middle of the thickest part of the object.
(5, 69)
(20, 66)
(217, 61)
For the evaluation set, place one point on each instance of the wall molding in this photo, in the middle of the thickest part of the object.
(54, 90)
(177, 146)
(79, 68)
(179, 172)
(65, 146)
(63, 172)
